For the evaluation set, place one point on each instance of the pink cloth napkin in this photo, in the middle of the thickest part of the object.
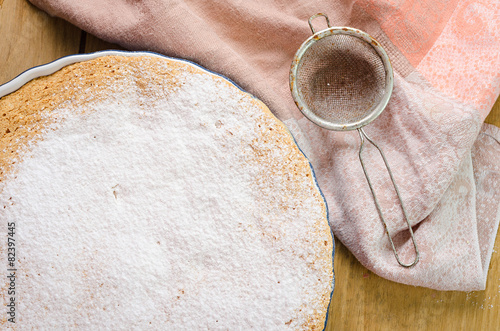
(446, 162)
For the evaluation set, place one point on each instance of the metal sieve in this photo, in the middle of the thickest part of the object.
(341, 79)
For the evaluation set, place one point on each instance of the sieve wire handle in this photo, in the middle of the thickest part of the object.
(317, 15)
(363, 135)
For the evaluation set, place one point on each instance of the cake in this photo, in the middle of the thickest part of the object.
(146, 192)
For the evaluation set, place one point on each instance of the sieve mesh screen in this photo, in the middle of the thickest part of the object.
(341, 78)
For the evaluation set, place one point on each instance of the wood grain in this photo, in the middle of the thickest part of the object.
(94, 44)
(30, 37)
(362, 300)
(494, 116)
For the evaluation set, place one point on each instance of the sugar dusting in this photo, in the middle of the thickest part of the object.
(481, 300)
(188, 207)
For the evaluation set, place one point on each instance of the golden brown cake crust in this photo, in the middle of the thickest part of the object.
(26, 113)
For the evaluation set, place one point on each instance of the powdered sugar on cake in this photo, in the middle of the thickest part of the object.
(173, 201)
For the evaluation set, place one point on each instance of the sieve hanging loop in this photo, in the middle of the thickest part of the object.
(341, 79)
(362, 136)
(317, 15)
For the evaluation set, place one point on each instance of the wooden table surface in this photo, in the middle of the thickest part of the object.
(361, 300)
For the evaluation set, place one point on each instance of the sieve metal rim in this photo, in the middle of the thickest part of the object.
(302, 105)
